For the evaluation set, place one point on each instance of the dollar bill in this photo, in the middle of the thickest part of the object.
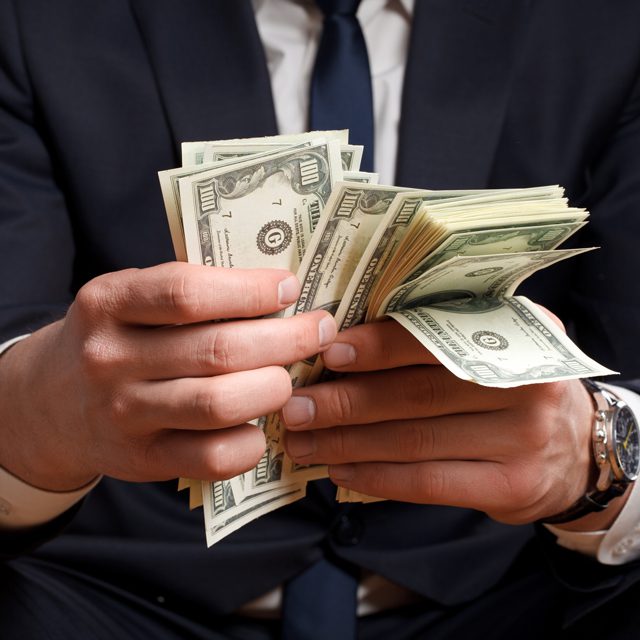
(224, 516)
(361, 176)
(508, 345)
(194, 152)
(258, 212)
(170, 187)
(500, 272)
(345, 228)
(472, 284)
(351, 156)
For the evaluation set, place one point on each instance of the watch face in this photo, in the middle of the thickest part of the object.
(627, 442)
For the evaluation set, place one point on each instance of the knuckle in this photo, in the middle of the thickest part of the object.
(339, 442)
(216, 349)
(429, 483)
(103, 295)
(423, 389)
(97, 355)
(305, 339)
(416, 441)
(182, 295)
(209, 405)
(377, 479)
(341, 406)
(217, 459)
(254, 296)
(119, 409)
(91, 298)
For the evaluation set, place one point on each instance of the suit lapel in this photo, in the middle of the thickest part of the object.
(461, 58)
(209, 66)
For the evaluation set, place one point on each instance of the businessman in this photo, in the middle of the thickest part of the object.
(122, 384)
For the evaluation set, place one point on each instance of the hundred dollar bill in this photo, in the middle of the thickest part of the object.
(401, 242)
(542, 237)
(471, 284)
(215, 152)
(361, 176)
(346, 225)
(296, 185)
(170, 187)
(194, 152)
(462, 312)
(379, 250)
(479, 242)
(224, 516)
(351, 156)
(510, 344)
(258, 212)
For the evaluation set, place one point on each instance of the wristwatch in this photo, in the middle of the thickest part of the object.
(616, 448)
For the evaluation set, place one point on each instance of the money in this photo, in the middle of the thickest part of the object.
(258, 212)
(345, 228)
(170, 187)
(194, 152)
(224, 516)
(443, 264)
(511, 344)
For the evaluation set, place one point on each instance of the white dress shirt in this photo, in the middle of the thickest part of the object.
(290, 32)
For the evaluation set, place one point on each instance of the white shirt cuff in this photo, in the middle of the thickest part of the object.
(621, 542)
(5, 346)
(22, 505)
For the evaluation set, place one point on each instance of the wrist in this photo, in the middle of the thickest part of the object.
(597, 520)
(34, 450)
(615, 464)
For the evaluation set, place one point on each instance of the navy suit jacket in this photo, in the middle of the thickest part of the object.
(95, 98)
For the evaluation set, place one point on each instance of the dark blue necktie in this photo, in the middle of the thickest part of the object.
(320, 604)
(341, 96)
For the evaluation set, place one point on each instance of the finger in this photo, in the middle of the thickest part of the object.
(472, 485)
(223, 347)
(553, 316)
(177, 292)
(204, 403)
(380, 396)
(204, 455)
(375, 346)
(469, 437)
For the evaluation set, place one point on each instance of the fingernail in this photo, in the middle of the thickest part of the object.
(298, 411)
(327, 330)
(288, 290)
(342, 472)
(300, 444)
(339, 354)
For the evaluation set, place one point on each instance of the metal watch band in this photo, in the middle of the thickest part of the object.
(598, 499)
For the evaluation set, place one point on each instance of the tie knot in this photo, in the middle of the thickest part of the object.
(338, 7)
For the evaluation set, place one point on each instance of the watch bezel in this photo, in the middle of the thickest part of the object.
(608, 407)
(617, 468)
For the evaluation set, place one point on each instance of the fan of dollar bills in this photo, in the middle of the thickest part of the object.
(444, 264)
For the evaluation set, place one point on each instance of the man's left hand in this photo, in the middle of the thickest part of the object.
(401, 426)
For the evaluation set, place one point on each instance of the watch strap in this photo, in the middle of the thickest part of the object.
(598, 499)
(588, 503)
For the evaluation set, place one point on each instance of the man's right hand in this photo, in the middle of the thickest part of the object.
(137, 383)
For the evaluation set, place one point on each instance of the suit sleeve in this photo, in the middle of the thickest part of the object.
(36, 239)
(604, 296)
(607, 325)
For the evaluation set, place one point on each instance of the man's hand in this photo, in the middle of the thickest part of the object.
(405, 428)
(137, 383)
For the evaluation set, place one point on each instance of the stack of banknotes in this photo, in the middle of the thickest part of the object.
(444, 264)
